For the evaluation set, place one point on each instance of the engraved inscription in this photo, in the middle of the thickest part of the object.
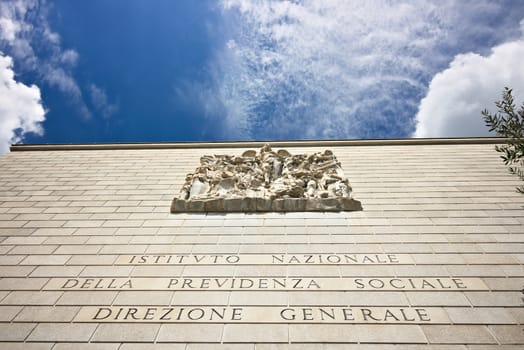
(334, 259)
(97, 283)
(273, 283)
(264, 259)
(410, 283)
(204, 259)
(243, 283)
(355, 314)
(245, 314)
(167, 314)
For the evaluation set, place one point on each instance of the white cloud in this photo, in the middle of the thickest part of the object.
(9, 29)
(16, 28)
(26, 35)
(21, 109)
(69, 57)
(342, 69)
(457, 95)
(100, 101)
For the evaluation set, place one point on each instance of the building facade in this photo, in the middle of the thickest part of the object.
(92, 258)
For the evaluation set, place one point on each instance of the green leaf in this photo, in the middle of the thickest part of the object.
(509, 123)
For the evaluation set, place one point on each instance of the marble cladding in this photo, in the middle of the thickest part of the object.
(92, 258)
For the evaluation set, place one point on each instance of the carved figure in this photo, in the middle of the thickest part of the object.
(264, 177)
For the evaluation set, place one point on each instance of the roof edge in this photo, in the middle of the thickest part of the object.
(256, 144)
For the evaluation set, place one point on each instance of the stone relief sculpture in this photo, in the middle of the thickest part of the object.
(266, 181)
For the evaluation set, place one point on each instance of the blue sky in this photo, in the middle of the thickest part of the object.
(186, 70)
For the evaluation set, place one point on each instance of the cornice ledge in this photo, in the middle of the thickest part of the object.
(256, 144)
